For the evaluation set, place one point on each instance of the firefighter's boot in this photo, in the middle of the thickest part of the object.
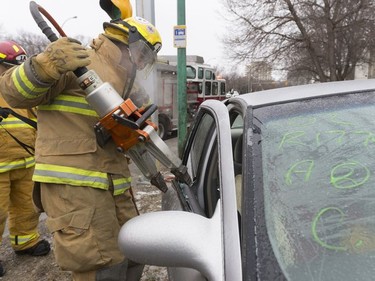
(2, 270)
(41, 248)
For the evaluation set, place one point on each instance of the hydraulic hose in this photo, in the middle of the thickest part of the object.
(37, 12)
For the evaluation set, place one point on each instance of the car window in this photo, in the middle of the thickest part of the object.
(202, 164)
(204, 130)
(318, 159)
(203, 160)
(238, 121)
(211, 181)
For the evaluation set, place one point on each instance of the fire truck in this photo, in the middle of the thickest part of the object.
(202, 80)
(202, 84)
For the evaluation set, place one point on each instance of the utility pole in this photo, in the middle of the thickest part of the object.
(181, 81)
(146, 10)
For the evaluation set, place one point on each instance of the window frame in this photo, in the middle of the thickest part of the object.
(230, 227)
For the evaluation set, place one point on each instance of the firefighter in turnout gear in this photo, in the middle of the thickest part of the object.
(17, 140)
(85, 187)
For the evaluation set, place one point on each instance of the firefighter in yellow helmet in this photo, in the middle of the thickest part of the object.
(85, 187)
(142, 38)
(17, 140)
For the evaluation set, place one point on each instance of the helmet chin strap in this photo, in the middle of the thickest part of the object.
(7, 64)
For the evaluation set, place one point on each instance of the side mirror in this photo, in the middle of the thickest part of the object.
(175, 239)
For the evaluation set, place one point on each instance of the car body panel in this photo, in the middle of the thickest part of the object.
(169, 236)
(288, 94)
(178, 239)
(280, 181)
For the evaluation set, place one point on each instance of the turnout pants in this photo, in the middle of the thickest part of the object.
(16, 204)
(85, 223)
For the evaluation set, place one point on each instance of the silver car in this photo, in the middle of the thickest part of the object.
(283, 189)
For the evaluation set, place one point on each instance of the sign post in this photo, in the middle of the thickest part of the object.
(180, 44)
(179, 38)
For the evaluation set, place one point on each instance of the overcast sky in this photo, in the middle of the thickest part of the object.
(205, 27)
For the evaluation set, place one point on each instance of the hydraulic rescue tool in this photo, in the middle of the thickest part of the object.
(128, 126)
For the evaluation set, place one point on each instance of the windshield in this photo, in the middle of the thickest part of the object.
(318, 163)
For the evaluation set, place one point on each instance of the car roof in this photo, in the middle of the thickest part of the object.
(281, 95)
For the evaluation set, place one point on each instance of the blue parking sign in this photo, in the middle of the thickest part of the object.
(179, 32)
(180, 36)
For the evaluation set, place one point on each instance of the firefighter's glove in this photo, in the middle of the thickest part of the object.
(63, 55)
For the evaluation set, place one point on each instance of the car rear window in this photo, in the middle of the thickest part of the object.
(319, 187)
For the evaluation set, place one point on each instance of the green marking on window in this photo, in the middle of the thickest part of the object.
(334, 119)
(340, 137)
(315, 233)
(301, 167)
(369, 139)
(292, 138)
(349, 175)
(359, 244)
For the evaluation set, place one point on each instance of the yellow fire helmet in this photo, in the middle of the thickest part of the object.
(141, 36)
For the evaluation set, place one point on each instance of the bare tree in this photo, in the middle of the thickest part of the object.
(323, 39)
(31, 42)
(36, 43)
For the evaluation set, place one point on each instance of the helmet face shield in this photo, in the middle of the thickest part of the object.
(142, 56)
(140, 36)
(20, 59)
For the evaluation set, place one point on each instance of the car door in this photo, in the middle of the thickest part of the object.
(210, 165)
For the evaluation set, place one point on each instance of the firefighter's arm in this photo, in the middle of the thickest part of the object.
(20, 88)
(34, 82)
